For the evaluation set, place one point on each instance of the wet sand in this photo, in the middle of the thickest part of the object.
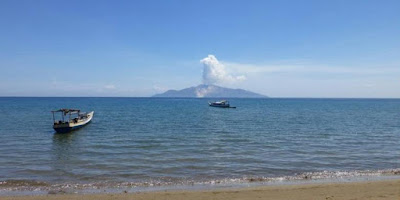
(388, 189)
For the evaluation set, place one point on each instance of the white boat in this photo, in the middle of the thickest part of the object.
(71, 119)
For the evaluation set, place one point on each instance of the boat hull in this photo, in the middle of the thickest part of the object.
(220, 106)
(68, 127)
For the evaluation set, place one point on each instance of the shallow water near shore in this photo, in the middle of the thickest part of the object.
(155, 143)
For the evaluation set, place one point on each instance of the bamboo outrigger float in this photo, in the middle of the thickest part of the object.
(66, 123)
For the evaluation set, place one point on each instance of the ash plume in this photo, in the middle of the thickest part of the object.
(214, 72)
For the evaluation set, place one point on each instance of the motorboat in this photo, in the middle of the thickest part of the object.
(71, 119)
(220, 104)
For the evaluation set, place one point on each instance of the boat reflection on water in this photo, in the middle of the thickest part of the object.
(64, 159)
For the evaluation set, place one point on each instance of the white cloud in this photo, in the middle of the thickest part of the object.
(369, 85)
(110, 87)
(309, 68)
(215, 72)
(308, 79)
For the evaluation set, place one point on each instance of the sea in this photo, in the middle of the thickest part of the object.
(142, 144)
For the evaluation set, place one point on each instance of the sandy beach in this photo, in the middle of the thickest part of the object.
(388, 189)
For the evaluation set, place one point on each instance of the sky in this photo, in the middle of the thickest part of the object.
(285, 48)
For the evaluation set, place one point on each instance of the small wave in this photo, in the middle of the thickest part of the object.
(22, 183)
(33, 185)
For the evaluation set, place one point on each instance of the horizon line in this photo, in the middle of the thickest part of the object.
(269, 97)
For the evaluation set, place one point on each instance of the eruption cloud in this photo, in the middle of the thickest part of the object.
(215, 72)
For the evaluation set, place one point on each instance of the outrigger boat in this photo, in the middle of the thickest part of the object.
(220, 104)
(67, 124)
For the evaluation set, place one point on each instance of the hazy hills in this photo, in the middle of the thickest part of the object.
(210, 91)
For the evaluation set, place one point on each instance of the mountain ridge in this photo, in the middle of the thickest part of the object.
(204, 90)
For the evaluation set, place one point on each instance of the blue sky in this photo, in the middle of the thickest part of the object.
(139, 48)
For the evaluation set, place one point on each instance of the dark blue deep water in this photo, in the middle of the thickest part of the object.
(151, 141)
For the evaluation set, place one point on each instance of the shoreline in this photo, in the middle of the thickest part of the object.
(14, 188)
(377, 189)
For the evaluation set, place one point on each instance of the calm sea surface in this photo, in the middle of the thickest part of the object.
(152, 142)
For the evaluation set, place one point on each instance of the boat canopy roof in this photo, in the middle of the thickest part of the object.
(67, 110)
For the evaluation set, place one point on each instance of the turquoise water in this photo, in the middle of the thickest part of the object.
(156, 142)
